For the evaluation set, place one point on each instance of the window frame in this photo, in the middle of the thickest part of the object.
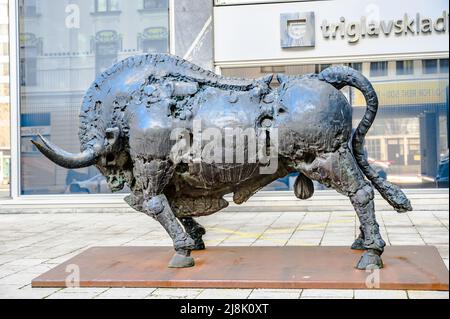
(108, 8)
(358, 66)
(150, 8)
(377, 73)
(443, 69)
(402, 71)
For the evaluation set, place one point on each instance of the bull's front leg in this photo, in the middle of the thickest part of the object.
(152, 177)
(158, 207)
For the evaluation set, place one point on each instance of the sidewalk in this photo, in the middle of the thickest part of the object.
(4, 192)
(31, 244)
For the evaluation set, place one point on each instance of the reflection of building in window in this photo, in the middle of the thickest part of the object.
(410, 134)
(434, 66)
(430, 66)
(68, 65)
(443, 66)
(4, 68)
(4, 89)
(357, 66)
(4, 47)
(154, 40)
(28, 8)
(30, 48)
(379, 68)
(5, 141)
(373, 148)
(396, 142)
(405, 67)
(154, 4)
(107, 45)
(321, 67)
(4, 29)
(106, 6)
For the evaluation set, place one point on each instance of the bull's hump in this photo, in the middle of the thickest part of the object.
(161, 66)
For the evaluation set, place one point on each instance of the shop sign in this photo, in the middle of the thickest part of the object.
(298, 30)
(407, 93)
(35, 130)
(407, 25)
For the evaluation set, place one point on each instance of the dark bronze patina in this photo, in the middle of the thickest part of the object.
(130, 111)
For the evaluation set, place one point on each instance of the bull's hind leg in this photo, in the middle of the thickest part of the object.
(340, 171)
(152, 177)
(359, 242)
(195, 230)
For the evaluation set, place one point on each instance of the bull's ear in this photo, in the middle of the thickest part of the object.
(282, 78)
(266, 79)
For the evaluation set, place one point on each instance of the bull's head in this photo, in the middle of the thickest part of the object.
(109, 157)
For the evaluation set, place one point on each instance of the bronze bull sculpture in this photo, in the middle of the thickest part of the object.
(130, 112)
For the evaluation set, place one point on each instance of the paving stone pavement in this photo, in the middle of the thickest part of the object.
(31, 244)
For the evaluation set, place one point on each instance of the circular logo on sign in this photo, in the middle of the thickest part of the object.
(297, 29)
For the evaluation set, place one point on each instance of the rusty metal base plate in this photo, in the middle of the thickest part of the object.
(406, 267)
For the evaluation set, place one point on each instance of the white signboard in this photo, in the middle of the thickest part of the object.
(344, 29)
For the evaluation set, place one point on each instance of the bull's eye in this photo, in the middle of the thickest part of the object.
(110, 158)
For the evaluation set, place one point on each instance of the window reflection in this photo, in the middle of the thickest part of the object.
(430, 66)
(155, 4)
(5, 142)
(59, 59)
(107, 46)
(379, 68)
(405, 67)
(408, 143)
(106, 5)
(29, 8)
(443, 66)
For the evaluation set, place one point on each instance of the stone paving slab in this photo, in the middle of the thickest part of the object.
(31, 244)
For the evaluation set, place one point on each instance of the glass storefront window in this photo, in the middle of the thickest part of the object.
(430, 66)
(379, 68)
(106, 5)
(64, 45)
(5, 141)
(405, 67)
(408, 143)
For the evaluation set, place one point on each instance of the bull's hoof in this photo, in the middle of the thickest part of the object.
(358, 244)
(197, 234)
(181, 261)
(199, 245)
(370, 260)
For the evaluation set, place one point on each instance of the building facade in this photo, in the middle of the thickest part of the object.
(402, 49)
(5, 146)
(58, 47)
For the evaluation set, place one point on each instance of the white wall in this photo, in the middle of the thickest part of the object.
(252, 32)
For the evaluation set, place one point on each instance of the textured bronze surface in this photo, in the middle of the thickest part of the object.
(146, 123)
(406, 267)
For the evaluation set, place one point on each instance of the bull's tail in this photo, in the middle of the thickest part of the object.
(340, 77)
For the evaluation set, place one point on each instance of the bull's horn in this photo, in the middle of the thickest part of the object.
(266, 79)
(282, 78)
(66, 159)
